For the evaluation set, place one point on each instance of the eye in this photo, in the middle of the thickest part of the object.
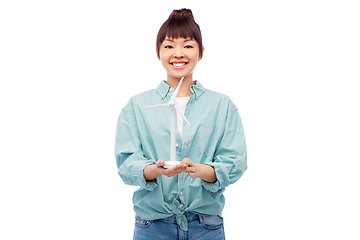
(189, 46)
(168, 46)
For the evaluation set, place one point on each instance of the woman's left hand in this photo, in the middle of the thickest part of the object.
(192, 169)
(195, 170)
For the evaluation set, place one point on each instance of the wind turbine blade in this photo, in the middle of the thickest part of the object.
(177, 90)
(166, 105)
(182, 115)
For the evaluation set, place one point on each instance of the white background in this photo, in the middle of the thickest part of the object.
(67, 68)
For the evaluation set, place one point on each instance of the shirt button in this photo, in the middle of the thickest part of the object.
(163, 95)
(186, 144)
(177, 145)
(181, 193)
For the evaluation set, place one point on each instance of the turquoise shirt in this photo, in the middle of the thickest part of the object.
(215, 137)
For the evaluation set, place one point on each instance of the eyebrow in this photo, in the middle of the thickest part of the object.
(186, 40)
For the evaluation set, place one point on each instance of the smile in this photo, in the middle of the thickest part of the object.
(178, 65)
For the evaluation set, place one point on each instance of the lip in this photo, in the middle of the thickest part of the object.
(178, 62)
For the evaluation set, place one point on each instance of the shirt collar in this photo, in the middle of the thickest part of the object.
(163, 89)
(198, 89)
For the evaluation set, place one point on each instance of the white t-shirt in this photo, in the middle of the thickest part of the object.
(182, 104)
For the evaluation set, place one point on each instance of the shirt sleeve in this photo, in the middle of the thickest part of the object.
(128, 152)
(230, 158)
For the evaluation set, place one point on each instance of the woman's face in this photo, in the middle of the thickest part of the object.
(179, 57)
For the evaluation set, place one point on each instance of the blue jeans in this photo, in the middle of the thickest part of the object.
(199, 228)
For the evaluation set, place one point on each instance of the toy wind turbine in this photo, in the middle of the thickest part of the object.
(172, 105)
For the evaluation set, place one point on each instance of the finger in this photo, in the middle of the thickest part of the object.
(190, 170)
(169, 174)
(160, 163)
(170, 171)
(181, 165)
(173, 171)
(187, 161)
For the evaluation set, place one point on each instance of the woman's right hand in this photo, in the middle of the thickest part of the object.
(153, 171)
(169, 172)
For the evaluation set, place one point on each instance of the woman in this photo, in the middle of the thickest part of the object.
(185, 201)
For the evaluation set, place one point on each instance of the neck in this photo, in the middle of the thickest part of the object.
(184, 90)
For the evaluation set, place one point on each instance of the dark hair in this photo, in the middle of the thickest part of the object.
(180, 24)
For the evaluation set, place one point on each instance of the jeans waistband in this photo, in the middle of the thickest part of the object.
(189, 216)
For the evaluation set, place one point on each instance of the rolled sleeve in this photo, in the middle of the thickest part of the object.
(230, 159)
(130, 159)
(131, 172)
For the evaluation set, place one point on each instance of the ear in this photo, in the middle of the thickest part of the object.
(202, 54)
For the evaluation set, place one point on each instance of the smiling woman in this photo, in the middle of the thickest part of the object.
(179, 48)
(181, 24)
(179, 57)
(172, 202)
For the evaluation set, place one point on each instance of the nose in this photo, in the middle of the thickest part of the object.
(178, 52)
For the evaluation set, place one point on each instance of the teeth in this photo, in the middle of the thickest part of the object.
(178, 64)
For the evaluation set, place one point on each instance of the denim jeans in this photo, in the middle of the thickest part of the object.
(199, 228)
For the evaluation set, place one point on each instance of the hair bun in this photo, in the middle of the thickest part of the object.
(182, 13)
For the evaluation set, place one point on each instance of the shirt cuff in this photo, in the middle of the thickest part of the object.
(137, 176)
(211, 187)
(221, 176)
